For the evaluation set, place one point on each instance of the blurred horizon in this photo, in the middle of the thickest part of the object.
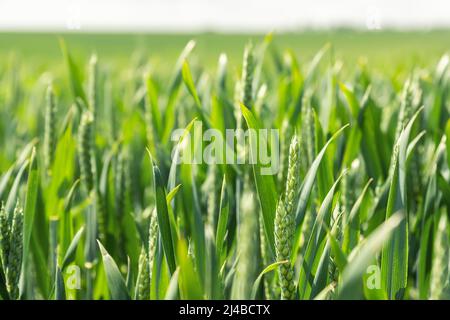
(378, 49)
(230, 16)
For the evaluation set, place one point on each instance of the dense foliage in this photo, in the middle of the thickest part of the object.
(95, 206)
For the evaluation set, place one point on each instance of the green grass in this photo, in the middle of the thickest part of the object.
(358, 210)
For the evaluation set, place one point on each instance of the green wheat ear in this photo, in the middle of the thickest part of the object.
(152, 241)
(284, 223)
(293, 174)
(284, 233)
(143, 279)
(439, 282)
(4, 237)
(49, 130)
(85, 149)
(248, 69)
(14, 265)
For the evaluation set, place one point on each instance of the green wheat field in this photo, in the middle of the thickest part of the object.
(94, 204)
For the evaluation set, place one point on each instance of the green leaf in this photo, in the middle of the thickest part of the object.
(152, 104)
(62, 173)
(315, 245)
(5, 179)
(23, 156)
(66, 232)
(163, 218)
(224, 209)
(69, 256)
(74, 72)
(116, 283)
(13, 195)
(305, 189)
(189, 280)
(176, 155)
(350, 284)
(172, 194)
(447, 134)
(189, 82)
(312, 68)
(60, 290)
(169, 115)
(265, 184)
(258, 280)
(352, 101)
(172, 290)
(30, 204)
(340, 258)
(352, 227)
(394, 260)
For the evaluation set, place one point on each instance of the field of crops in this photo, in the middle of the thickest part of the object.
(100, 201)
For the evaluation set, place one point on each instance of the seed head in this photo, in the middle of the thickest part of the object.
(247, 77)
(143, 279)
(15, 254)
(85, 150)
(284, 232)
(4, 237)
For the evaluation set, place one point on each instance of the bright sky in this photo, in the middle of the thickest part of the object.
(220, 15)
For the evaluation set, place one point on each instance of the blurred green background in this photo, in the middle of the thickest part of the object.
(387, 50)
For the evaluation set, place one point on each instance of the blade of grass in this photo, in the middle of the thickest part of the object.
(116, 283)
(265, 184)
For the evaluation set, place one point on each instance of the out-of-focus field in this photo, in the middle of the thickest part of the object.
(386, 50)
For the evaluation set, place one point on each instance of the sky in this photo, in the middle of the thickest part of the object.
(220, 15)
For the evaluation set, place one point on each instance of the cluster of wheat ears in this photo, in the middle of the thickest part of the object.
(94, 205)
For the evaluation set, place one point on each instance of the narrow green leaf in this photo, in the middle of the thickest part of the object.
(70, 254)
(305, 189)
(394, 261)
(224, 209)
(116, 283)
(350, 286)
(60, 290)
(163, 218)
(189, 280)
(258, 280)
(74, 72)
(172, 290)
(265, 184)
(189, 82)
(30, 204)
